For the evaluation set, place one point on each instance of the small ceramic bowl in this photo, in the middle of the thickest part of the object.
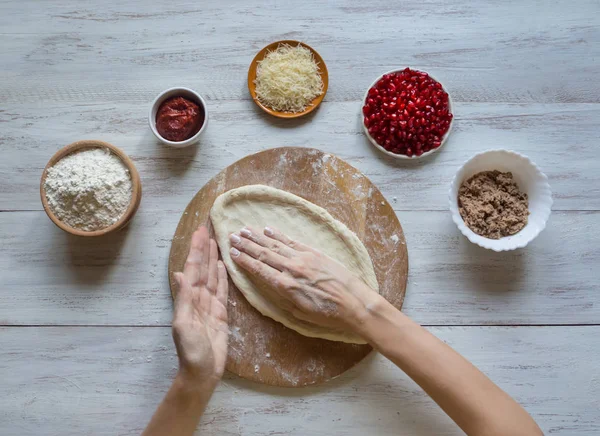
(177, 92)
(530, 180)
(136, 194)
(252, 77)
(396, 155)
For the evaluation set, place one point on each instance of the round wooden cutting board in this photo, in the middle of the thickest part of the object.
(261, 349)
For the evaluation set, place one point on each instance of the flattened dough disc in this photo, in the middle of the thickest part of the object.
(261, 349)
(260, 205)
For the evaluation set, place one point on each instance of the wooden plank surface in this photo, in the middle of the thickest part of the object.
(50, 278)
(561, 138)
(510, 51)
(86, 380)
(522, 74)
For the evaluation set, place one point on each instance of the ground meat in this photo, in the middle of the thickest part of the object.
(492, 205)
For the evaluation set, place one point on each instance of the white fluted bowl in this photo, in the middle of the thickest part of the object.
(530, 180)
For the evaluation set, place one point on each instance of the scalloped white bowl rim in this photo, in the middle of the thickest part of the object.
(529, 178)
(403, 156)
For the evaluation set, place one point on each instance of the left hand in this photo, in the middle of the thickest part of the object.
(200, 329)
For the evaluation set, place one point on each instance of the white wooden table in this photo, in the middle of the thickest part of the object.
(85, 342)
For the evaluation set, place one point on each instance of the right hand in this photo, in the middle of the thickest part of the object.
(318, 289)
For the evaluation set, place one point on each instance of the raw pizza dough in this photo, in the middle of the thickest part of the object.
(258, 206)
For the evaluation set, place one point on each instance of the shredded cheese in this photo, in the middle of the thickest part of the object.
(288, 79)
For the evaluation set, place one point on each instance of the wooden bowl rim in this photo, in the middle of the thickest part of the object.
(322, 72)
(136, 194)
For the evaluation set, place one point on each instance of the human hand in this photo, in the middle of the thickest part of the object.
(317, 288)
(200, 328)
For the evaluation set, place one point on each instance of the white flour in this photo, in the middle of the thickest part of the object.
(89, 190)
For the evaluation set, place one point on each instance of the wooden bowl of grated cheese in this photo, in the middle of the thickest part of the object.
(288, 79)
(90, 188)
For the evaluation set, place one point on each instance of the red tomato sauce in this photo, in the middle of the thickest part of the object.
(178, 119)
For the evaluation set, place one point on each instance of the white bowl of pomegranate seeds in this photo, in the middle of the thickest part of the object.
(407, 114)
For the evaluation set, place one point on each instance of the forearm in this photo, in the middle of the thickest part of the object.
(473, 401)
(180, 411)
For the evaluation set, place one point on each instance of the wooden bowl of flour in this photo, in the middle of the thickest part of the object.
(136, 187)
